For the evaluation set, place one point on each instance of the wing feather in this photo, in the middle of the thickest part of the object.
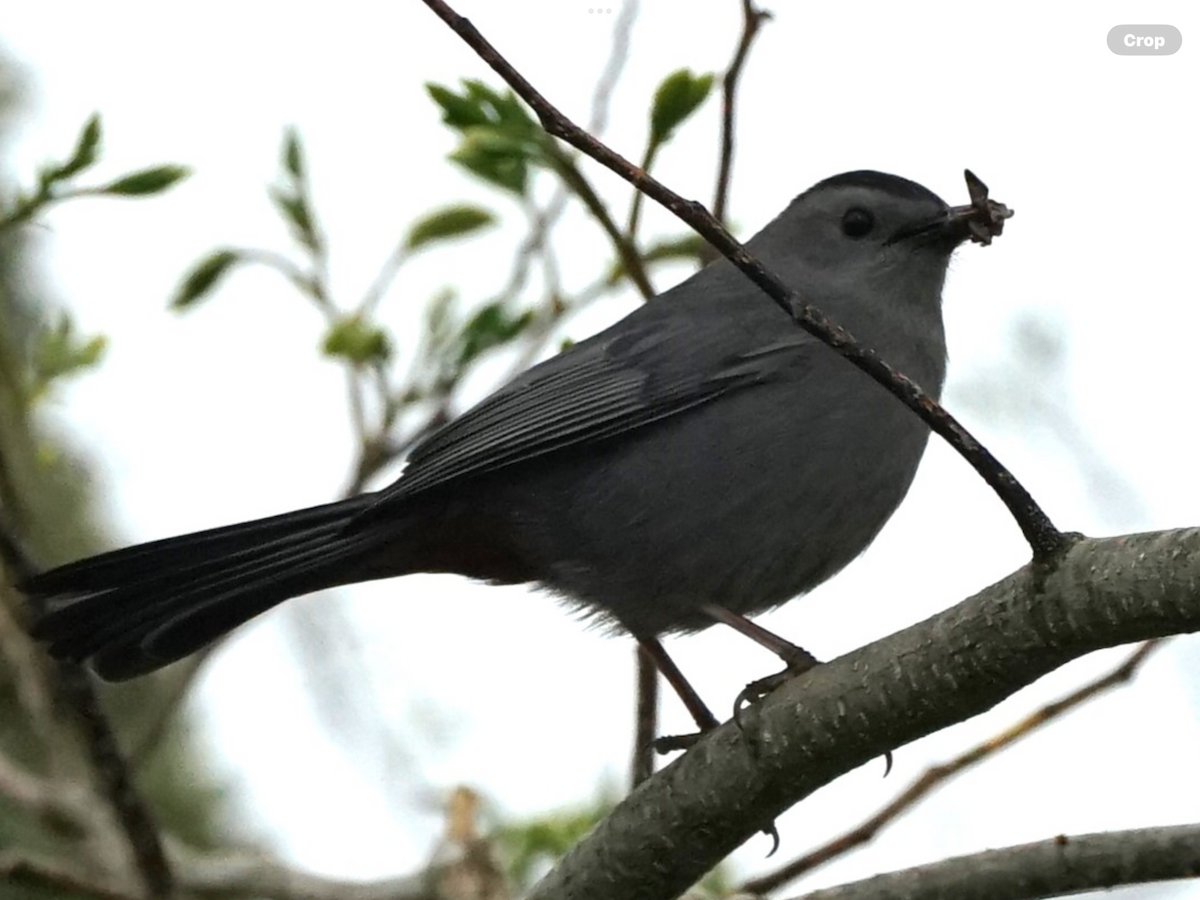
(602, 387)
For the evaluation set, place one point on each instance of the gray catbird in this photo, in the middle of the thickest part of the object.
(700, 460)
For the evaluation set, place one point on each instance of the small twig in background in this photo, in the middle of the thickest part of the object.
(569, 172)
(183, 676)
(646, 718)
(937, 775)
(752, 20)
(46, 800)
(116, 781)
(26, 668)
(59, 878)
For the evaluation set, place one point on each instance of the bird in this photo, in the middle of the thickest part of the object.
(701, 460)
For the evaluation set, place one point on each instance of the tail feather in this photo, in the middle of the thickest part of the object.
(118, 567)
(134, 610)
(151, 586)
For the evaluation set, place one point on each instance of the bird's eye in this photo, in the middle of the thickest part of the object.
(857, 222)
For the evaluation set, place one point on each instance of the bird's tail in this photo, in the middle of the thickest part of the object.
(135, 610)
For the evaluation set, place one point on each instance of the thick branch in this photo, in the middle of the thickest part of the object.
(960, 663)
(1052, 868)
(937, 775)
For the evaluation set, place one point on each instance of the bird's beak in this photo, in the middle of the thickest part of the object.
(981, 220)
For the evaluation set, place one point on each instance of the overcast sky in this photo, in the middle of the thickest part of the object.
(224, 414)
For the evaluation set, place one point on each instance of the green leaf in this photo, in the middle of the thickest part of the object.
(677, 97)
(495, 157)
(491, 326)
(457, 112)
(505, 109)
(357, 341)
(293, 154)
(87, 148)
(479, 104)
(296, 213)
(146, 182)
(203, 277)
(527, 845)
(500, 138)
(58, 353)
(448, 222)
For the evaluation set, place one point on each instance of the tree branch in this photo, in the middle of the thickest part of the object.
(116, 781)
(61, 878)
(48, 802)
(158, 719)
(937, 775)
(689, 816)
(1050, 868)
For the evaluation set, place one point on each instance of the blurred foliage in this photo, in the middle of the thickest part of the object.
(56, 181)
(449, 222)
(46, 500)
(358, 342)
(204, 277)
(499, 139)
(532, 846)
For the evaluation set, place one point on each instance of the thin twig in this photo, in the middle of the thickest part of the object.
(646, 718)
(63, 880)
(1045, 540)
(184, 676)
(631, 259)
(383, 279)
(937, 775)
(26, 669)
(47, 801)
(635, 207)
(752, 19)
(618, 55)
(281, 264)
(116, 781)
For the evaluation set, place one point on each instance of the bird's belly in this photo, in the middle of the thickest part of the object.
(693, 512)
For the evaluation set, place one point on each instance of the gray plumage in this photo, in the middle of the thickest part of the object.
(701, 450)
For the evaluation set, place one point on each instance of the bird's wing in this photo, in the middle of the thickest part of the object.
(653, 367)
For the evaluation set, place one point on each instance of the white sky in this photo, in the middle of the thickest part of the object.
(224, 414)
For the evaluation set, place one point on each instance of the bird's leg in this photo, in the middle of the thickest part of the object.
(797, 659)
(701, 714)
(705, 720)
